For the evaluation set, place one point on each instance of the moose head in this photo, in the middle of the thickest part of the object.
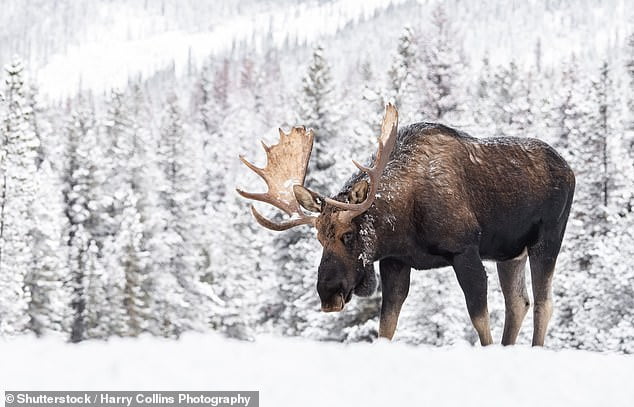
(344, 266)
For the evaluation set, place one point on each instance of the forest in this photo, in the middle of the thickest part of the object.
(118, 210)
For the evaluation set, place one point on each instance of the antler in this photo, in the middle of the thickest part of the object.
(286, 164)
(387, 140)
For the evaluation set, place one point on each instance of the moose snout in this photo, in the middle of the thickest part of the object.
(332, 287)
(334, 304)
(331, 294)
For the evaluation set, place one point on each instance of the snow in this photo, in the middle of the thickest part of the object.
(91, 64)
(290, 372)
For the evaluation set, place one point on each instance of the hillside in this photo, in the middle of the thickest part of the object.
(100, 44)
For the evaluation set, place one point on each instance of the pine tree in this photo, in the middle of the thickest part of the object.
(373, 108)
(522, 108)
(507, 97)
(177, 262)
(565, 110)
(136, 299)
(443, 66)
(138, 218)
(602, 88)
(95, 318)
(622, 149)
(317, 110)
(112, 258)
(589, 155)
(204, 98)
(272, 90)
(614, 312)
(235, 272)
(48, 276)
(483, 100)
(128, 204)
(32, 99)
(117, 143)
(580, 141)
(82, 177)
(214, 88)
(403, 76)
(18, 189)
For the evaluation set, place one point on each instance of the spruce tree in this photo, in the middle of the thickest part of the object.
(96, 317)
(483, 100)
(443, 66)
(602, 89)
(176, 243)
(582, 266)
(507, 95)
(17, 192)
(318, 110)
(403, 75)
(83, 176)
(48, 276)
(622, 174)
(373, 108)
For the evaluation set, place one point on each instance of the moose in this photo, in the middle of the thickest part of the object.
(433, 197)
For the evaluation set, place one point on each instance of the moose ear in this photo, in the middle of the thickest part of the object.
(358, 192)
(307, 199)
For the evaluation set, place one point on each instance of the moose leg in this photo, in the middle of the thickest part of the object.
(472, 278)
(394, 288)
(516, 301)
(543, 256)
(542, 270)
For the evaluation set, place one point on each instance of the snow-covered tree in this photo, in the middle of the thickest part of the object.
(96, 319)
(130, 243)
(443, 67)
(483, 100)
(509, 111)
(175, 245)
(82, 178)
(601, 90)
(578, 124)
(622, 175)
(18, 155)
(372, 108)
(404, 75)
(212, 94)
(318, 110)
(48, 275)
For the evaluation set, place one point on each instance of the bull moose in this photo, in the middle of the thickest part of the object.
(433, 197)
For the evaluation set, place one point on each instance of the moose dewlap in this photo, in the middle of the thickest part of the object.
(433, 197)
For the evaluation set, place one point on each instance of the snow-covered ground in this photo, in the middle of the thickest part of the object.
(291, 372)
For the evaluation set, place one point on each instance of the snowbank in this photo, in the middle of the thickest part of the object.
(291, 372)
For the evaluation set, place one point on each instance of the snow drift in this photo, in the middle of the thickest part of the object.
(290, 372)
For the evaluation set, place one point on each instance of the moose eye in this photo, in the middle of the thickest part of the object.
(346, 238)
